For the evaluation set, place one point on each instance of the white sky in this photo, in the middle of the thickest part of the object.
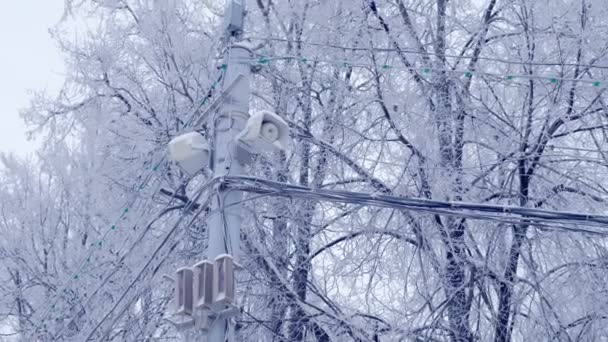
(29, 60)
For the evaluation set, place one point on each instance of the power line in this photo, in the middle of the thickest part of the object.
(266, 187)
(426, 53)
(261, 186)
(481, 166)
(256, 185)
(511, 78)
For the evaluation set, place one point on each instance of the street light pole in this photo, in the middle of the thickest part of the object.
(224, 223)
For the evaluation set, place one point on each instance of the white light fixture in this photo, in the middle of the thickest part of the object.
(190, 151)
(183, 291)
(264, 132)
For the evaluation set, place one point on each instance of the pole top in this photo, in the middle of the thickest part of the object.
(233, 18)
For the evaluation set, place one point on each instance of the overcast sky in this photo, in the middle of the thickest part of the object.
(29, 59)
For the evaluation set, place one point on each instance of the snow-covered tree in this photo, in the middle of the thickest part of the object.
(489, 102)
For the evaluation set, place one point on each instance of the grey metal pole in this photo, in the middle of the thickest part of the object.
(225, 223)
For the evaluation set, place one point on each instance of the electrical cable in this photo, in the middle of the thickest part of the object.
(597, 83)
(255, 185)
(260, 186)
(416, 52)
(501, 162)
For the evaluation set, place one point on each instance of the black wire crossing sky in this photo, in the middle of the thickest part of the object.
(564, 220)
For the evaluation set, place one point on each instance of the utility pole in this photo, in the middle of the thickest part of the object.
(224, 224)
(205, 292)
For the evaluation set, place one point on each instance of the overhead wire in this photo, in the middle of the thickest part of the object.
(252, 184)
(511, 77)
(499, 162)
(428, 53)
(521, 214)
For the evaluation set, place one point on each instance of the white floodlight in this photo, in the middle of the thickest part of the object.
(190, 151)
(183, 291)
(203, 284)
(264, 131)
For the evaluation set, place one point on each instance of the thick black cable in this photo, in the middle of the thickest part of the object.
(261, 186)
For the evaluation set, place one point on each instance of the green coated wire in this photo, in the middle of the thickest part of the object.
(427, 70)
(429, 53)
